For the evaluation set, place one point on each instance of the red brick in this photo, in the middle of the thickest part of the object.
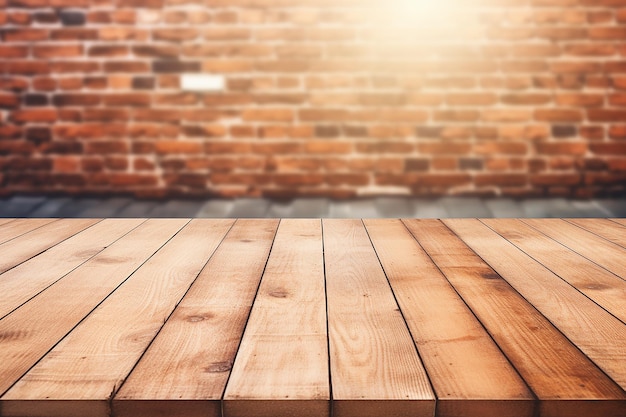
(382, 147)
(175, 35)
(525, 99)
(608, 148)
(157, 50)
(73, 34)
(456, 115)
(268, 115)
(494, 148)
(470, 99)
(76, 99)
(122, 34)
(108, 50)
(106, 147)
(226, 34)
(56, 51)
(9, 101)
(178, 147)
(25, 35)
(106, 115)
(558, 115)
(38, 115)
(606, 115)
(134, 99)
(327, 147)
(580, 100)
(561, 148)
(13, 51)
(66, 164)
(592, 132)
(607, 32)
(617, 132)
(501, 179)
(563, 67)
(126, 66)
(74, 66)
(155, 4)
(506, 115)
(555, 179)
(590, 49)
(444, 148)
(27, 67)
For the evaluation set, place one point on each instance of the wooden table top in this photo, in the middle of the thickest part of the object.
(313, 318)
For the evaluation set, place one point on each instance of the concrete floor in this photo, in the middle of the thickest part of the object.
(383, 207)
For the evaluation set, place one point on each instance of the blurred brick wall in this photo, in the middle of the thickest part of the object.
(323, 97)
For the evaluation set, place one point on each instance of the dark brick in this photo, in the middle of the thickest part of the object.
(36, 100)
(471, 164)
(143, 83)
(355, 131)
(46, 17)
(72, 18)
(417, 164)
(176, 66)
(563, 131)
(38, 134)
(327, 131)
(428, 131)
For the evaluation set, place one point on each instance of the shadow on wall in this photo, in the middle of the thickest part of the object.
(313, 98)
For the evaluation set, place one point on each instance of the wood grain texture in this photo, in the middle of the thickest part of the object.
(372, 355)
(620, 221)
(34, 328)
(26, 280)
(549, 363)
(601, 286)
(598, 334)
(465, 366)
(24, 247)
(12, 228)
(607, 254)
(605, 228)
(92, 361)
(282, 365)
(185, 370)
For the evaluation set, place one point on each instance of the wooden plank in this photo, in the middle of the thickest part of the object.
(282, 365)
(565, 382)
(375, 368)
(26, 280)
(606, 254)
(598, 334)
(31, 330)
(18, 227)
(595, 282)
(620, 221)
(93, 360)
(184, 372)
(5, 221)
(468, 371)
(24, 247)
(605, 228)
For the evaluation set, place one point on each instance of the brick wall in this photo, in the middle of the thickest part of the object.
(322, 97)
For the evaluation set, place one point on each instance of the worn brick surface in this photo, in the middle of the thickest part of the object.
(335, 98)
